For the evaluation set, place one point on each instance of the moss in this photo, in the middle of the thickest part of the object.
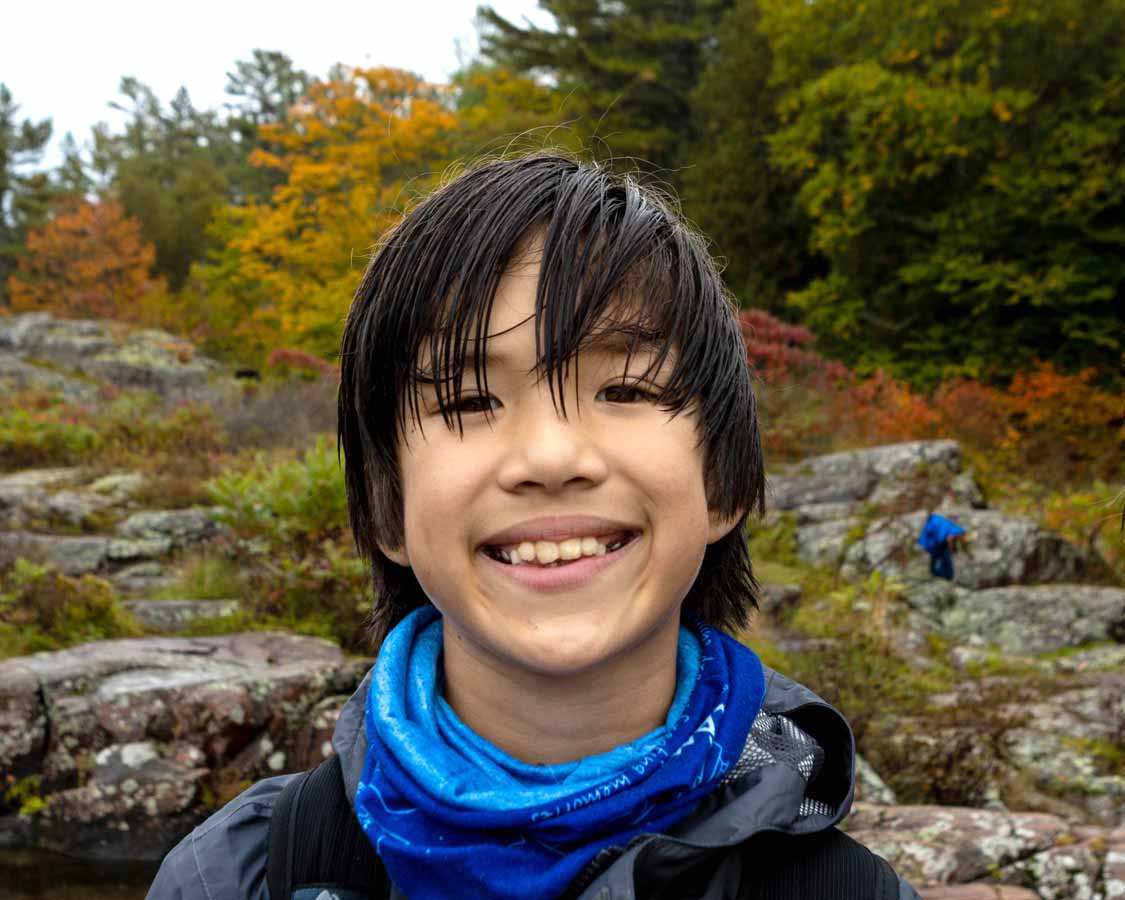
(23, 795)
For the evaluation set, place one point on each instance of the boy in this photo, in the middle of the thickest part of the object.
(551, 450)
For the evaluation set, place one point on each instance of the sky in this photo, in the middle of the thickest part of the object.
(65, 59)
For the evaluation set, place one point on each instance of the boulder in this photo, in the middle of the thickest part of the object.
(869, 787)
(1037, 618)
(892, 478)
(155, 533)
(34, 498)
(24, 495)
(137, 803)
(951, 844)
(1068, 742)
(17, 375)
(998, 549)
(133, 731)
(151, 360)
(70, 555)
(175, 615)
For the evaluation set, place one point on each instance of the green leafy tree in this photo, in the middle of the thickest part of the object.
(742, 201)
(168, 169)
(626, 67)
(25, 195)
(961, 164)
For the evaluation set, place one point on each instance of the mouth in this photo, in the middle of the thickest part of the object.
(558, 554)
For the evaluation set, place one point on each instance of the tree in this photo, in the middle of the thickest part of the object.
(349, 157)
(24, 195)
(169, 170)
(497, 109)
(263, 90)
(89, 260)
(961, 166)
(731, 189)
(626, 67)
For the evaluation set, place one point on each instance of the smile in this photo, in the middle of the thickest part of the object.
(558, 553)
(551, 569)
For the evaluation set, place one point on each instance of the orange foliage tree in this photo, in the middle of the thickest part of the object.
(89, 259)
(351, 154)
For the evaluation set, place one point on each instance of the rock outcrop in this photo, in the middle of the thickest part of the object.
(132, 742)
(36, 349)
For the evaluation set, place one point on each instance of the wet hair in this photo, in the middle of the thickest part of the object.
(615, 262)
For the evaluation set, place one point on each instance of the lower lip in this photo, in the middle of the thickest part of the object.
(560, 578)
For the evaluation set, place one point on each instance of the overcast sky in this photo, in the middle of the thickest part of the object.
(66, 59)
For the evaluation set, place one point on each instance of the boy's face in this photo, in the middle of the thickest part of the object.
(620, 481)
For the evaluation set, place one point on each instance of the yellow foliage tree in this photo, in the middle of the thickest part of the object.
(88, 260)
(352, 153)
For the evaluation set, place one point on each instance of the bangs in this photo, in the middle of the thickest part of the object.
(615, 273)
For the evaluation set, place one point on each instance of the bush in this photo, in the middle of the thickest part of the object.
(294, 547)
(42, 609)
(133, 429)
(286, 413)
(298, 502)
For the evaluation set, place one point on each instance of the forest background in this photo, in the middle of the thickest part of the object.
(920, 209)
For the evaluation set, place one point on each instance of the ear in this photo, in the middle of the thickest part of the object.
(397, 555)
(720, 526)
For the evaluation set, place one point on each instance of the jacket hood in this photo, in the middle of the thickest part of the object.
(796, 774)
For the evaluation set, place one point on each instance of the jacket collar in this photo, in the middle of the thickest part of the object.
(772, 797)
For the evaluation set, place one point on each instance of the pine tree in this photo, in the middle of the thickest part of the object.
(627, 67)
(24, 196)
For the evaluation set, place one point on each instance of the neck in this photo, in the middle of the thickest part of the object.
(546, 719)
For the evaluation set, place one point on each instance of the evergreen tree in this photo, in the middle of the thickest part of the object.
(626, 67)
(263, 89)
(731, 190)
(169, 169)
(24, 195)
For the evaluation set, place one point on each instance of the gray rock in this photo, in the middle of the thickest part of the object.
(137, 802)
(792, 491)
(128, 731)
(149, 576)
(150, 360)
(1059, 746)
(869, 787)
(118, 485)
(17, 375)
(177, 527)
(175, 615)
(1037, 618)
(998, 549)
(950, 844)
(23, 495)
(70, 555)
(888, 460)
(125, 550)
(776, 599)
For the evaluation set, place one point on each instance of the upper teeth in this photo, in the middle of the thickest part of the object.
(546, 552)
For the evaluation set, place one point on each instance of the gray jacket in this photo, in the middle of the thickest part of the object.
(795, 775)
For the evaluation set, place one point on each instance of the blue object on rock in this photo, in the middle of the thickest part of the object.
(934, 539)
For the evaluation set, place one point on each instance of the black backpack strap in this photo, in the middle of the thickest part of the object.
(315, 841)
(828, 865)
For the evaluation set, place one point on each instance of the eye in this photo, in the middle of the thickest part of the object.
(625, 393)
(475, 403)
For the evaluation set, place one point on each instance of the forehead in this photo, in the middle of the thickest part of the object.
(525, 324)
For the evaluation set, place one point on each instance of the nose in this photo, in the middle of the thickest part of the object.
(549, 452)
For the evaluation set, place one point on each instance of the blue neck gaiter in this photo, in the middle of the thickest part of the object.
(452, 815)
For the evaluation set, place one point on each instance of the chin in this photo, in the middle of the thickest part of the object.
(570, 649)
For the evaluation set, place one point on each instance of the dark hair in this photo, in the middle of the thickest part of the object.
(614, 259)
